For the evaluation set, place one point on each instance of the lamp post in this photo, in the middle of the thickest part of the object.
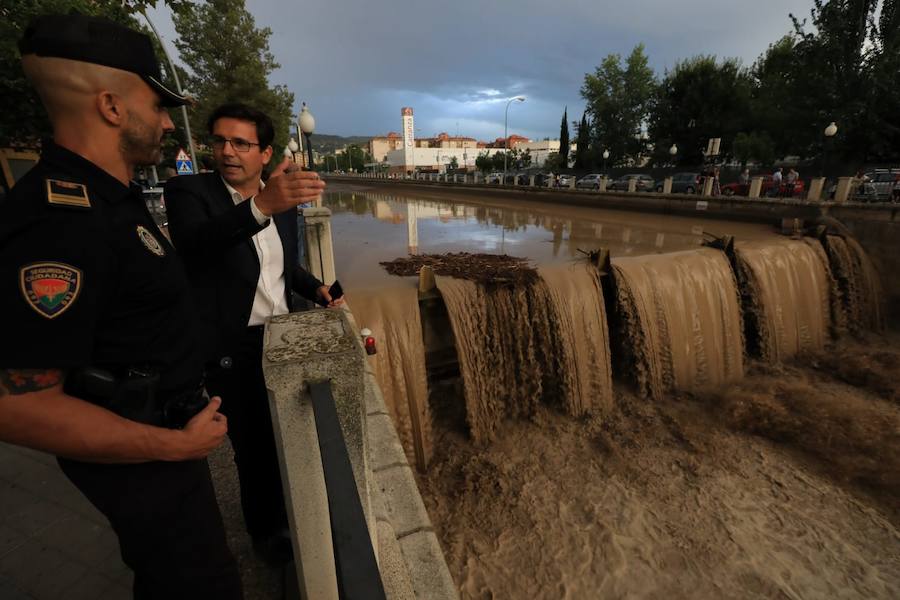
(830, 132)
(673, 151)
(605, 156)
(506, 131)
(291, 149)
(307, 125)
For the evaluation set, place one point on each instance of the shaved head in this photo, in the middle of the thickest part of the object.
(69, 87)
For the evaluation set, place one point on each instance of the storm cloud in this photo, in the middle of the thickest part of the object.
(456, 63)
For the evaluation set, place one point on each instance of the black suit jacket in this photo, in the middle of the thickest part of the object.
(213, 237)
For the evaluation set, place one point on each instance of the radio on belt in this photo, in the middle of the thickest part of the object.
(368, 341)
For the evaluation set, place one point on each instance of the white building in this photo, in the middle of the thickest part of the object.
(435, 159)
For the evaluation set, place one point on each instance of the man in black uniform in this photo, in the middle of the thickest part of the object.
(99, 363)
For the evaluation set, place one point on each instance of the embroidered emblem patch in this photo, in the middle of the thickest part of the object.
(67, 193)
(150, 241)
(50, 288)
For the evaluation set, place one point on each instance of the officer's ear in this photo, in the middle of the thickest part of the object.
(111, 108)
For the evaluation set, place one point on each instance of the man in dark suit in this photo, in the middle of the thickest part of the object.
(238, 239)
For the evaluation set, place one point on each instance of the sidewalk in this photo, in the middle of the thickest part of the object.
(55, 546)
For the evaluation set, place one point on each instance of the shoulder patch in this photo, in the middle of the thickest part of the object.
(67, 193)
(150, 242)
(50, 288)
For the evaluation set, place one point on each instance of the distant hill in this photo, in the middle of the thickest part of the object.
(326, 144)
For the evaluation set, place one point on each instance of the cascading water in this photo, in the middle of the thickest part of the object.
(393, 316)
(787, 289)
(860, 289)
(681, 320)
(542, 341)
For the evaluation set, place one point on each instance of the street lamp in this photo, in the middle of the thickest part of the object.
(830, 132)
(673, 151)
(605, 156)
(291, 150)
(307, 126)
(506, 131)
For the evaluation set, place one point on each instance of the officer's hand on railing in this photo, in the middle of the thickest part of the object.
(287, 187)
(205, 431)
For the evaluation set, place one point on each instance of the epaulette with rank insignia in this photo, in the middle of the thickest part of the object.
(67, 193)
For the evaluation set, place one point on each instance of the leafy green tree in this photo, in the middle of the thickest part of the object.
(553, 162)
(755, 146)
(700, 98)
(353, 156)
(454, 164)
(619, 100)
(484, 162)
(834, 77)
(230, 61)
(22, 117)
(564, 138)
(774, 105)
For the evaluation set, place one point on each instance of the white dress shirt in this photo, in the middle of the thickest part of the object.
(270, 299)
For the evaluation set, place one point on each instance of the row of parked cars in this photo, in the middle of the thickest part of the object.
(881, 185)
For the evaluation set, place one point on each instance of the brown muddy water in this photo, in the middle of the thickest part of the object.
(694, 424)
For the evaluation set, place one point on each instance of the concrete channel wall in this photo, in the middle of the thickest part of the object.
(325, 345)
(875, 225)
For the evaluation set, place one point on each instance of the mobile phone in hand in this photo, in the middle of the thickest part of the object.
(335, 291)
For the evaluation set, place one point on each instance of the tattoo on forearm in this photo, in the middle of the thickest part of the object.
(21, 381)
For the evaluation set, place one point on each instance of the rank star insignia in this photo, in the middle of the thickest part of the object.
(150, 241)
(50, 288)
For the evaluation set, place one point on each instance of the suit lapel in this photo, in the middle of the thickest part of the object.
(223, 202)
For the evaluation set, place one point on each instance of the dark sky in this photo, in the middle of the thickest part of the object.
(357, 62)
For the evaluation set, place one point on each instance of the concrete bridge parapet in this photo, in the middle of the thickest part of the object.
(325, 345)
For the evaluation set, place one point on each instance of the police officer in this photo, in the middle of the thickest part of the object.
(99, 364)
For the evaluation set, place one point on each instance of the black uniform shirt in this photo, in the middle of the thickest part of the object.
(87, 279)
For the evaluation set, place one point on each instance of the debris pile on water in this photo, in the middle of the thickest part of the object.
(484, 268)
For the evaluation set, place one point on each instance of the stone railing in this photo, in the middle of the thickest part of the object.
(325, 346)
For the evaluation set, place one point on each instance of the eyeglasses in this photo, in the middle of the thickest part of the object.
(239, 144)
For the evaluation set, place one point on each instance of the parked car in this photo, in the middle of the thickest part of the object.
(767, 189)
(885, 181)
(859, 192)
(683, 183)
(589, 182)
(644, 183)
(565, 180)
(493, 178)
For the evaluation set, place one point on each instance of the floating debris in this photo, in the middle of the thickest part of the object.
(483, 268)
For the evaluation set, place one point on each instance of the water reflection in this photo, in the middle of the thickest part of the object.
(368, 228)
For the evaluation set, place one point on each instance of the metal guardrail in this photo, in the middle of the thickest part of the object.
(355, 564)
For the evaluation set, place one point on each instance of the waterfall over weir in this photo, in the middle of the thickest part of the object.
(680, 320)
(859, 307)
(787, 290)
(541, 342)
(393, 316)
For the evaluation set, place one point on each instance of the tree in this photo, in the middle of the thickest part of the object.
(777, 107)
(484, 162)
(834, 76)
(755, 146)
(582, 145)
(353, 156)
(230, 61)
(700, 98)
(454, 164)
(22, 117)
(619, 100)
(564, 138)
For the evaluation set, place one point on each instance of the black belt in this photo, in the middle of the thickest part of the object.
(133, 394)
